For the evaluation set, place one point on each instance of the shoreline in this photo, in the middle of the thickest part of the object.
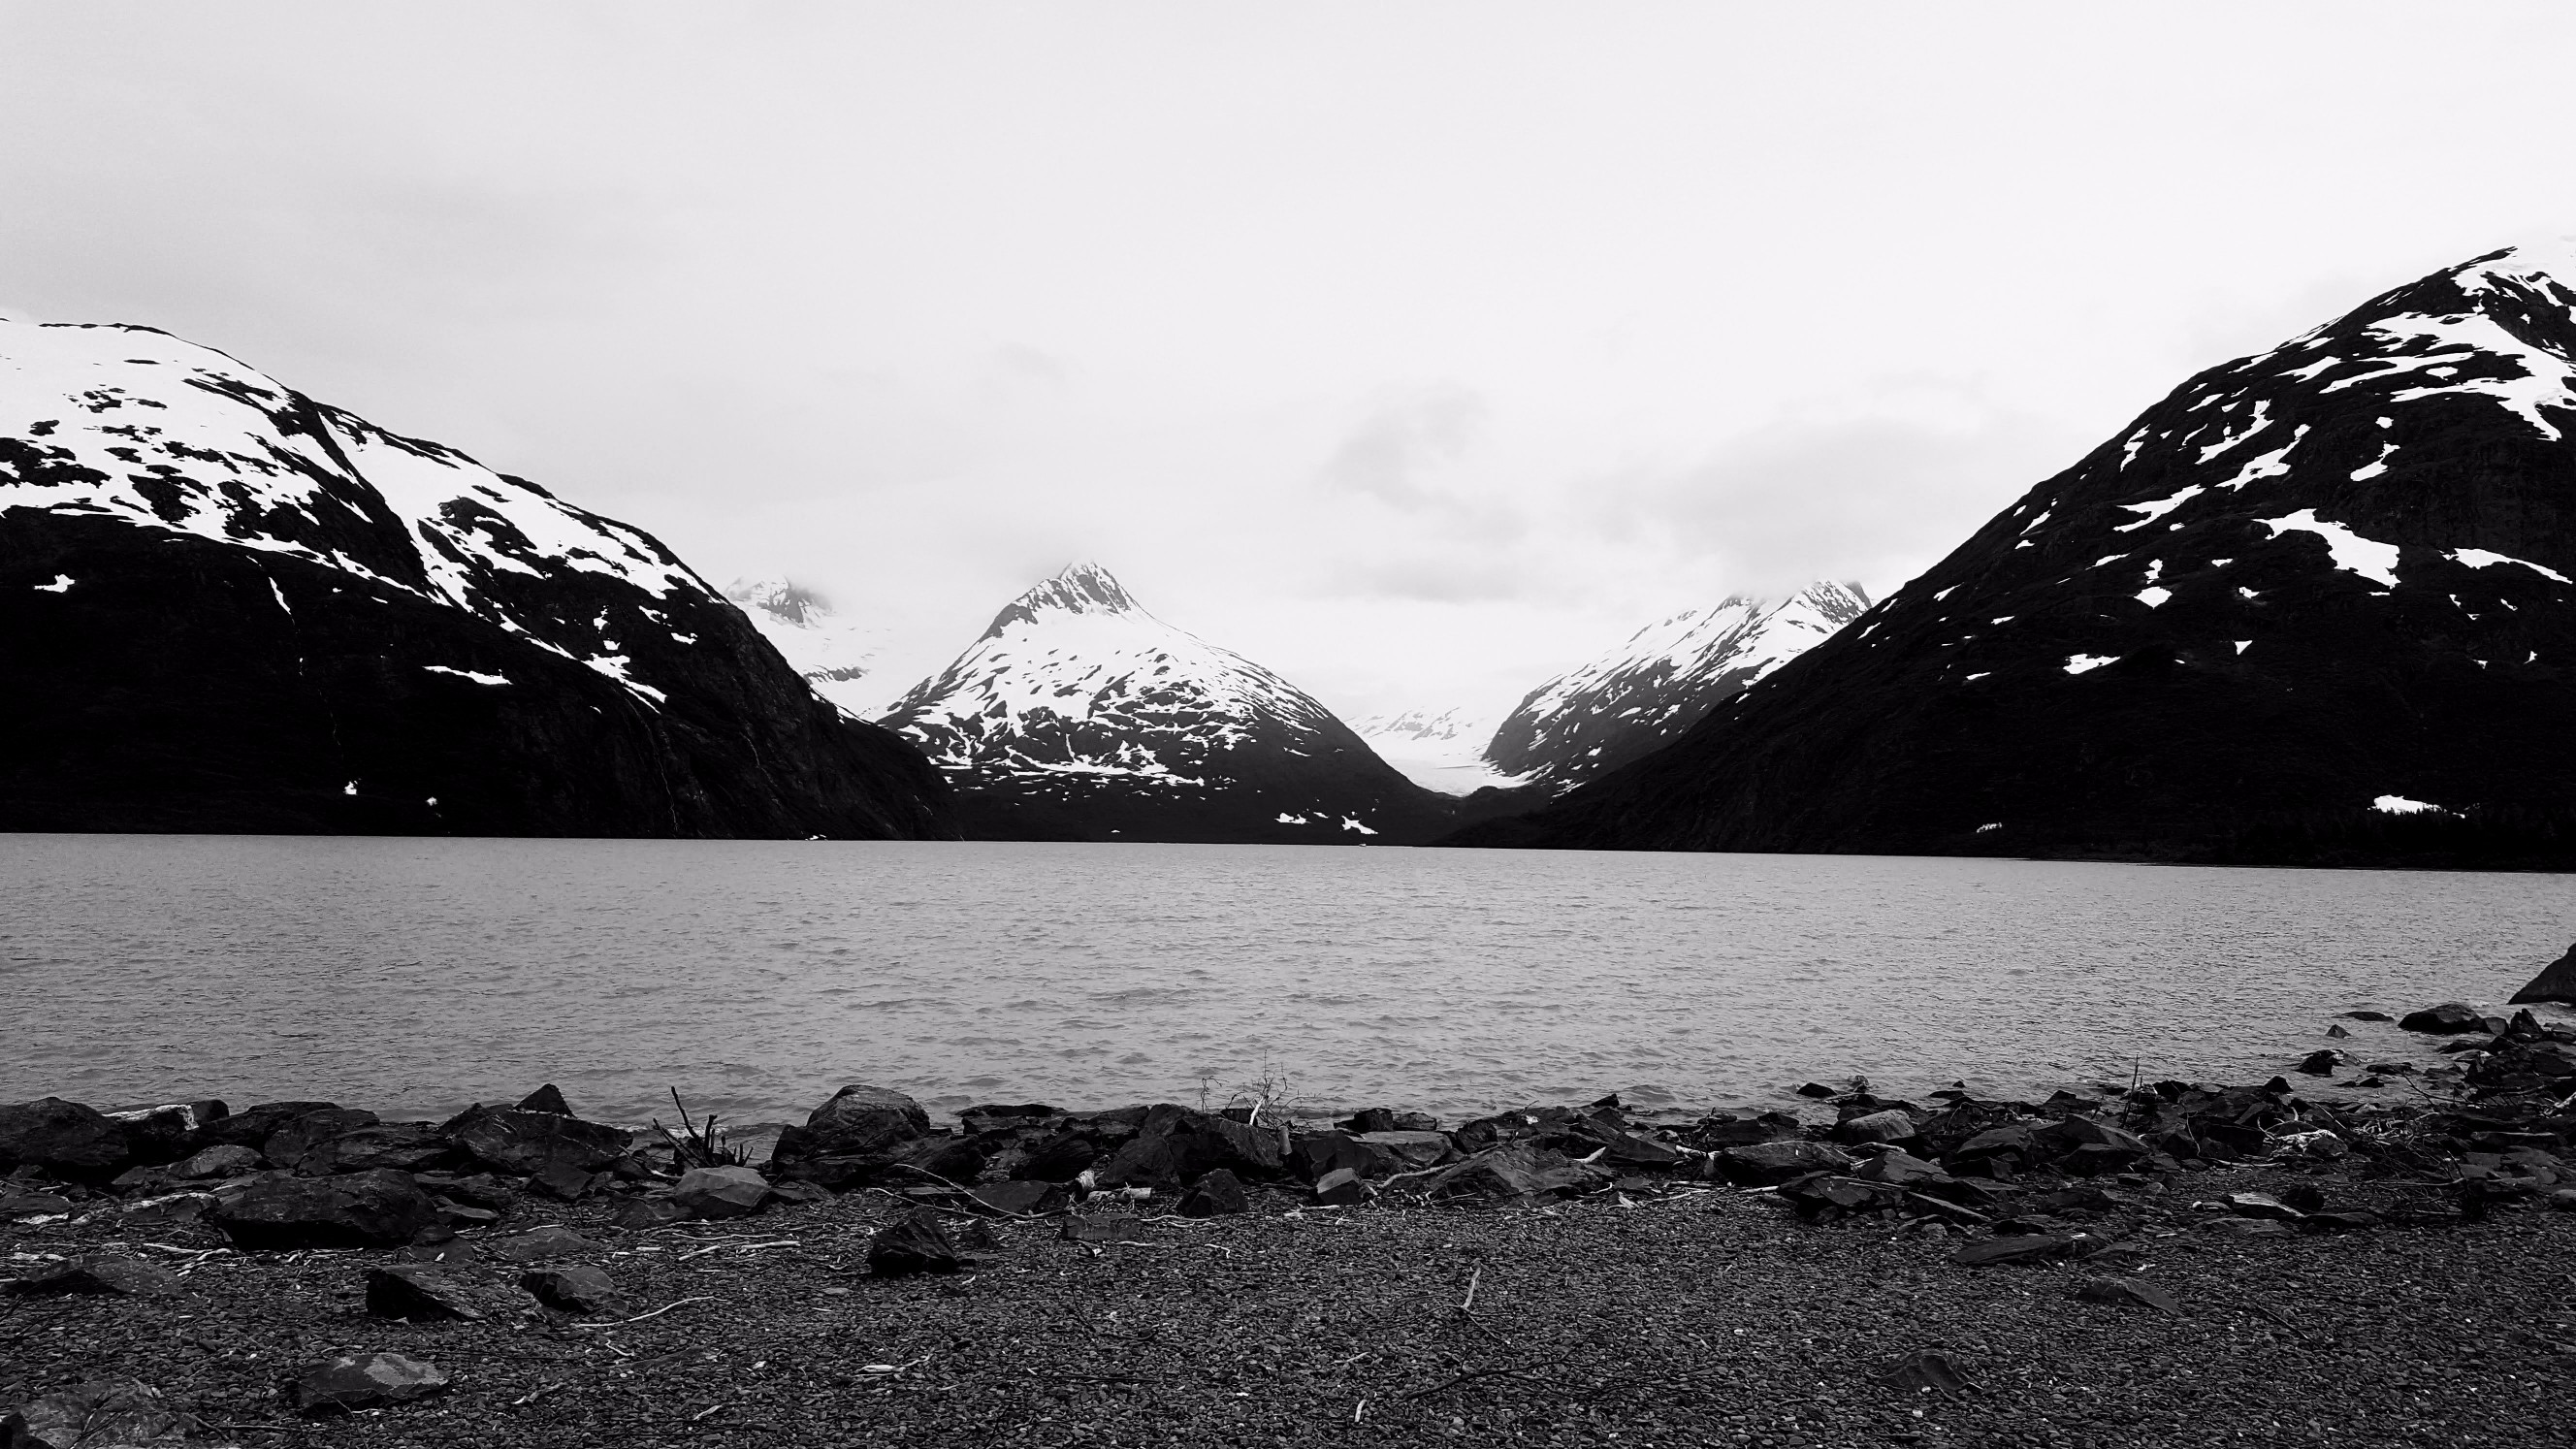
(1166, 1275)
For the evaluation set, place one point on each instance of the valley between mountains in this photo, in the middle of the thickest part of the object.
(2316, 606)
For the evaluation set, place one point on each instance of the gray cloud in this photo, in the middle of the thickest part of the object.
(1388, 452)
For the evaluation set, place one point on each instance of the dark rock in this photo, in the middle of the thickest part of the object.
(1924, 1370)
(538, 1244)
(1106, 1228)
(851, 1140)
(223, 1160)
(1726, 1129)
(2556, 982)
(33, 1205)
(1903, 1169)
(1318, 1153)
(2337, 1032)
(1891, 1125)
(1825, 1195)
(460, 1217)
(575, 1288)
(1061, 1158)
(1215, 1194)
(402, 1146)
(376, 1381)
(525, 1143)
(159, 1134)
(994, 1119)
(2127, 1293)
(418, 1293)
(1027, 1198)
(914, 1241)
(175, 1209)
(548, 1098)
(720, 1192)
(1817, 1090)
(1412, 1149)
(2367, 1016)
(2015, 1251)
(286, 1146)
(1175, 1145)
(2320, 1064)
(651, 1212)
(1341, 1187)
(2307, 1197)
(254, 1125)
(454, 1252)
(566, 1183)
(363, 1209)
(1513, 1172)
(955, 1160)
(2259, 1205)
(2451, 1018)
(100, 1414)
(108, 1277)
(803, 1194)
(1767, 1164)
(1370, 1119)
(64, 1138)
(480, 1189)
(2344, 1222)
(1416, 1122)
(141, 1180)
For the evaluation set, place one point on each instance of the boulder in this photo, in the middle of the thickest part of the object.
(1006, 1119)
(1341, 1187)
(1024, 1198)
(2556, 982)
(539, 1244)
(381, 1208)
(2259, 1205)
(915, 1241)
(850, 1140)
(2127, 1293)
(64, 1138)
(164, 1133)
(1412, 1150)
(2018, 1250)
(1175, 1145)
(17, 1206)
(177, 1208)
(1215, 1194)
(1768, 1164)
(224, 1160)
(254, 1125)
(2337, 1031)
(402, 1146)
(1318, 1153)
(349, 1384)
(2320, 1064)
(548, 1098)
(419, 1293)
(286, 1146)
(525, 1143)
(720, 1192)
(1368, 1119)
(100, 1414)
(1818, 1091)
(1892, 1125)
(574, 1288)
(1512, 1172)
(104, 1277)
(1729, 1129)
(2451, 1018)
(566, 1183)
(1060, 1158)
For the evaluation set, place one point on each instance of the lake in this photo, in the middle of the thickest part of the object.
(412, 976)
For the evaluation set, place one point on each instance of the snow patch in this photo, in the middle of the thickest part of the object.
(478, 678)
(2078, 663)
(62, 584)
(2478, 558)
(2154, 598)
(2353, 553)
(2400, 805)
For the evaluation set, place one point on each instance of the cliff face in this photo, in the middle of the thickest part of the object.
(226, 607)
(2313, 606)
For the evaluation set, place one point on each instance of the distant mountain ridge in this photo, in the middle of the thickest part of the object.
(1661, 681)
(837, 656)
(1079, 714)
(2309, 593)
(227, 607)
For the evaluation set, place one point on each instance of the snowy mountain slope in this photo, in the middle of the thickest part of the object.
(2307, 582)
(837, 656)
(297, 620)
(1080, 713)
(1442, 750)
(1660, 682)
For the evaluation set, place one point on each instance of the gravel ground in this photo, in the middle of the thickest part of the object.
(1707, 1316)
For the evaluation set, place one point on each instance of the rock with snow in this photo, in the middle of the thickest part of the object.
(2317, 605)
(239, 609)
(1647, 692)
(1078, 715)
(838, 656)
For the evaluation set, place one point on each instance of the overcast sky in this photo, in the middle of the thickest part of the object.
(1416, 350)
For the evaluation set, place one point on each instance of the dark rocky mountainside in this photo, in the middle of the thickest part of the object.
(1665, 678)
(2313, 607)
(1080, 716)
(225, 607)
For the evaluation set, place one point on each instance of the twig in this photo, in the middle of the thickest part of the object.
(704, 1413)
(720, 1247)
(266, 1428)
(539, 1392)
(1473, 1277)
(640, 1317)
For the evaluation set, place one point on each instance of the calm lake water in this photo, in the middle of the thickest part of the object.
(414, 976)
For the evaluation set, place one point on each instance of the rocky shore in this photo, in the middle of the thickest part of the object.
(2170, 1262)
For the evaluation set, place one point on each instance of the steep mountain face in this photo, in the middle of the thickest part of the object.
(1644, 694)
(2313, 606)
(227, 607)
(837, 656)
(1078, 715)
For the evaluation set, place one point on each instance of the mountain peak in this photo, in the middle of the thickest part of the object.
(1082, 588)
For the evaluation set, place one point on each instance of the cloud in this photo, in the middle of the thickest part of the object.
(1388, 452)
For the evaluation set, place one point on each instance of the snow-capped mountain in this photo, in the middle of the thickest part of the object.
(226, 606)
(1441, 750)
(1079, 714)
(838, 656)
(1648, 691)
(2309, 592)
